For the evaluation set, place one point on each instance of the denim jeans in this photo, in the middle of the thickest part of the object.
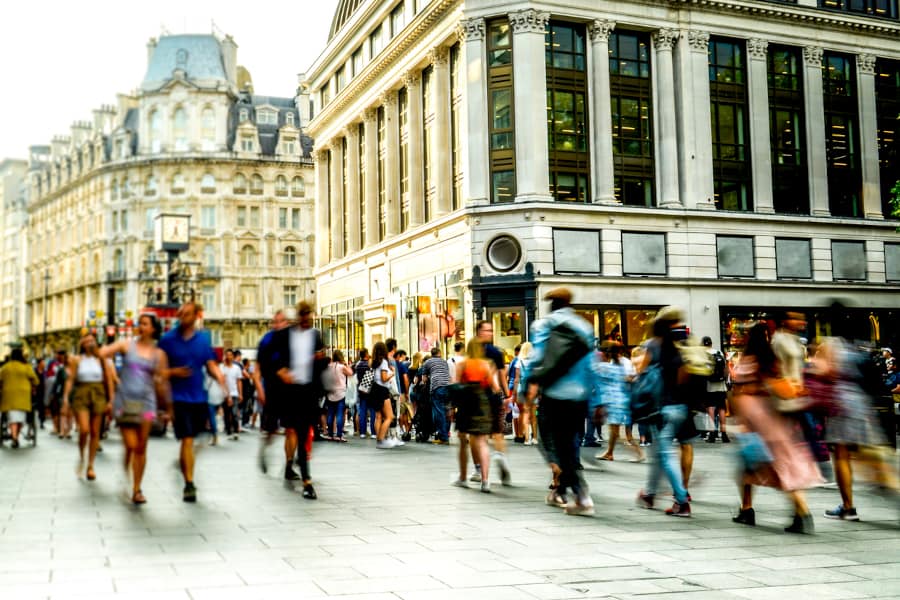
(439, 413)
(336, 409)
(213, 425)
(666, 459)
(366, 411)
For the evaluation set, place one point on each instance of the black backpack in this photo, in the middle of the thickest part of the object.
(718, 374)
(564, 349)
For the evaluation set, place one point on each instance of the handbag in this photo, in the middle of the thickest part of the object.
(365, 384)
(131, 412)
(393, 387)
(646, 394)
(787, 396)
(352, 396)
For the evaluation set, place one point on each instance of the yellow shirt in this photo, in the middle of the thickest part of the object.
(16, 381)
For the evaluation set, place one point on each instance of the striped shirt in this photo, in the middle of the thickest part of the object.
(438, 372)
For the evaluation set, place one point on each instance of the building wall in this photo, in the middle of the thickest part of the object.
(684, 208)
(12, 250)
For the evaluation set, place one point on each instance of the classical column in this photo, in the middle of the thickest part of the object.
(760, 144)
(323, 244)
(351, 202)
(476, 151)
(391, 163)
(370, 123)
(601, 142)
(530, 85)
(336, 198)
(667, 161)
(868, 137)
(415, 147)
(440, 138)
(814, 107)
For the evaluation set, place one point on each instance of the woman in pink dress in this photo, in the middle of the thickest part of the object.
(773, 451)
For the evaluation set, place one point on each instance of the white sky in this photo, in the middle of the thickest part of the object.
(60, 59)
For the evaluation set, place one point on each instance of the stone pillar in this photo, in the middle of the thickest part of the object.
(352, 200)
(760, 143)
(391, 163)
(370, 123)
(415, 148)
(814, 108)
(695, 187)
(529, 87)
(323, 243)
(336, 199)
(601, 140)
(667, 162)
(474, 146)
(868, 137)
(440, 140)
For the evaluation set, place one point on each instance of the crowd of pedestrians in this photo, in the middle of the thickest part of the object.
(793, 409)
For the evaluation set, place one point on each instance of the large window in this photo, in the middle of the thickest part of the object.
(877, 8)
(361, 186)
(786, 129)
(381, 144)
(289, 258)
(155, 130)
(248, 256)
(403, 125)
(631, 104)
(180, 129)
(887, 98)
(455, 102)
(427, 126)
(501, 111)
(567, 124)
(730, 125)
(208, 129)
(842, 135)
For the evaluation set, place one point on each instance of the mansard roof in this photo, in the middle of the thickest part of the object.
(199, 56)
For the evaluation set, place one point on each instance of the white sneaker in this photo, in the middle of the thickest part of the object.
(384, 445)
(485, 487)
(505, 478)
(460, 483)
(581, 506)
(475, 477)
(398, 442)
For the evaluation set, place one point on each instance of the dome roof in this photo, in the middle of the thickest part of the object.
(342, 14)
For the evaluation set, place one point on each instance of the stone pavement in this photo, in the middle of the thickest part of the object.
(388, 526)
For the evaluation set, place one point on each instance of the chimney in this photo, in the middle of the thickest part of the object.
(301, 100)
(151, 48)
(81, 131)
(229, 59)
(59, 146)
(109, 117)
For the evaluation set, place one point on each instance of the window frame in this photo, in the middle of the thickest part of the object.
(599, 234)
(665, 239)
(752, 241)
(781, 277)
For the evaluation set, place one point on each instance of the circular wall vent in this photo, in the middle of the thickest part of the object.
(504, 253)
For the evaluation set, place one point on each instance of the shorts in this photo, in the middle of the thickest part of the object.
(716, 400)
(190, 419)
(688, 431)
(498, 413)
(89, 397)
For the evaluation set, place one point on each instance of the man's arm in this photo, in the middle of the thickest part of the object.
(257, 383)
(216, 373)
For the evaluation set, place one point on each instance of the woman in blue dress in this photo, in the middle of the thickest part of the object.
(612, 392)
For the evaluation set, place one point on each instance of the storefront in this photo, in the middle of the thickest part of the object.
(342, 327)
(430, 313)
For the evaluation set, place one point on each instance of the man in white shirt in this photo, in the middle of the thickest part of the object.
(458, 357)
(232, 374)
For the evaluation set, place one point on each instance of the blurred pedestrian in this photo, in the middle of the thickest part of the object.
(477, 381)
(17, 383)
(337, 397)
(612, 390)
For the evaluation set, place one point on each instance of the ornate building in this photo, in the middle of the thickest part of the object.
(734, 157)
(13, 220)
(193, 139)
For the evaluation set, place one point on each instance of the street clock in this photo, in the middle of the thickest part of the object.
(172, 232)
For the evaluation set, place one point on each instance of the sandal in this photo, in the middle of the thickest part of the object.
(604, 457)
(138, 498)
(90, 475)
(341, 440)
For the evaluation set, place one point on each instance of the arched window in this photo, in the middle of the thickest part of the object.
(209, 257)
(240, 184)
(150, 188)
(119, 261)
(114, 190)
(126, 189)
(208, 184)
(298, 187)
(180, 129)
(178, 183)
(208, 128)
(256, 184)
(289, 258)
(155, 127)
(248, 256)
(281, 187)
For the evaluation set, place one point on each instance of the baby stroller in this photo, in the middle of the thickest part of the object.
(30, 431)
(423, 421)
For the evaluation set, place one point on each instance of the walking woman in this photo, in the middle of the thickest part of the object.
(17, 380)
(473, 417)
(527, 405)
(336, 400)
(380, 396)
(613, 391)
(772, 452)
(135, 405)
(87, 391)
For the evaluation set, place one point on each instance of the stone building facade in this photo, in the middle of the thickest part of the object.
(193, 139)
(13, 220)
(733, 157)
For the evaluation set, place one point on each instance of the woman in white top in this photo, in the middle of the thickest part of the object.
(380, 397)
(337, 397)
(87, 390)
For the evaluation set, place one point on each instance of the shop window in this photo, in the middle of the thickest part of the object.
(734, 256)
(848, 260)
(644, 254)
(786, 130)
(793, 259)
(842, 135)
(576, 251)
(892, 262)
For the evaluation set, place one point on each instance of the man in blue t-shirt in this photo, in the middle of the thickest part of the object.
(189, 351)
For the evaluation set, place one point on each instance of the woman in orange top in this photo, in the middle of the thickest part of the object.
(473, 417)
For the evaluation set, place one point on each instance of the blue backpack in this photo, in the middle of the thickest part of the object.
(646, 394)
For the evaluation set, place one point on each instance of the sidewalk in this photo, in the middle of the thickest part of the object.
(388, 526)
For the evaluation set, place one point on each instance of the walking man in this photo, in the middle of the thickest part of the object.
(234, 396)
(438, 374)
(189, 351)
(268, 388)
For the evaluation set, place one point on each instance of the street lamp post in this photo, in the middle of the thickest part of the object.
(46, 284)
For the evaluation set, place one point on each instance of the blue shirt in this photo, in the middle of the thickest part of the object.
(402, 369)
(192, 353)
